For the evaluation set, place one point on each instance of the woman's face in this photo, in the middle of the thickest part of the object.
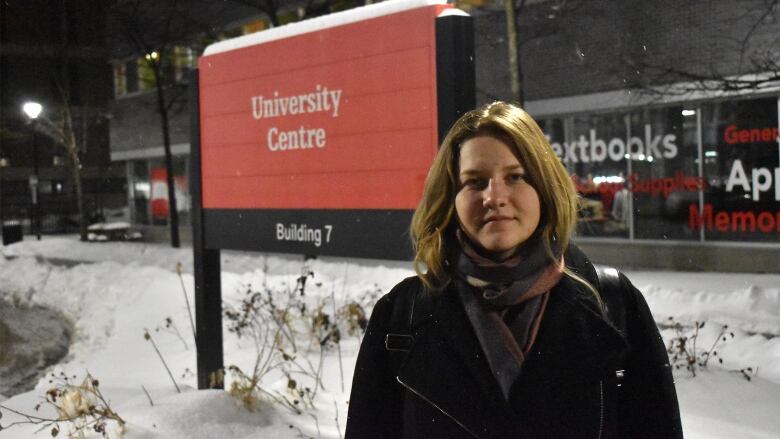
(496, 207)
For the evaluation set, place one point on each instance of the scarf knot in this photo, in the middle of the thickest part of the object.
(505, 301)
(528, 273)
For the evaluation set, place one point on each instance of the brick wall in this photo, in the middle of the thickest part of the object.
(599, 45)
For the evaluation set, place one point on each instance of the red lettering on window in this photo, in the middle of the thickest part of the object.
(733, 135)
(736, 221)
(722, 221)
(730, 134)
(766, 222)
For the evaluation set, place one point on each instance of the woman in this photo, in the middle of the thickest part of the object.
(505, 334)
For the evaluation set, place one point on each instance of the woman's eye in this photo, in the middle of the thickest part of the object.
(516, 178)
(474, 183)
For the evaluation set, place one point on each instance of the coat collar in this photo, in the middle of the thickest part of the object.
(574, 340)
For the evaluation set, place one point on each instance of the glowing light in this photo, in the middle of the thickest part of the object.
(687, 113)
(608, 179)
(32, 109)
(143, 187)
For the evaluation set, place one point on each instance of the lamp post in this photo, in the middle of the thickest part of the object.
(33, 110)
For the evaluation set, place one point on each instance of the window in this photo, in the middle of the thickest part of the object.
(741, 153)
(664, 177)
(595, 155)
(639, 174)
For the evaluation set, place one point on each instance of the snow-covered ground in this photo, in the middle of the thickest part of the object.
(131, 287)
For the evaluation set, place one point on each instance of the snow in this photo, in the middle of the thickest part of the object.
(128, 287)
(320, 23)
(116, 225)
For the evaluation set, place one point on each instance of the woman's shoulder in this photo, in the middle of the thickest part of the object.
(614, 287)
(402, 292)
(410, 298)
(409, 286)
(579, 263)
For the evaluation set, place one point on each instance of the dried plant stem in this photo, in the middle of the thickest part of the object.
(300, 433)
(317, 375)
(96, 416)
(148, 337)
(178, 334)
(151, 403)
(338, 345)
(187, 301)
(30, 419)
(714, 344)
(338, 427)
(281, 399)
(316, 424)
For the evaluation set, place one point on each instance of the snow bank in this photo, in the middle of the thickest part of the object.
(134, 286)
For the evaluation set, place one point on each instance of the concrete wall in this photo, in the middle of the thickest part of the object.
(135, 124)
(162, 234)
(683, 256)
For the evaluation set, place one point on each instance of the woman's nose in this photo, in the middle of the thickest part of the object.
(495, 194)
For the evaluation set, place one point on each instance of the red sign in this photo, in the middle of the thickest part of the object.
(340, 118)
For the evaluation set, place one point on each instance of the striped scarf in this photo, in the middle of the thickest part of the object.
(505, 301)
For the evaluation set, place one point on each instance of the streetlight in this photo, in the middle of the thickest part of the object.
(33, 110)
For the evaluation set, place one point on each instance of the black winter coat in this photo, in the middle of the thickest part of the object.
(568, 387)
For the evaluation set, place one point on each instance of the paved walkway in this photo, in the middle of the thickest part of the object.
(31, 339)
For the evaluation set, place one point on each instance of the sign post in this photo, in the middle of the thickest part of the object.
(315, 138)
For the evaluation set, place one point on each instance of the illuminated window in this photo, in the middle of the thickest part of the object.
(253, 26)
(146, 79)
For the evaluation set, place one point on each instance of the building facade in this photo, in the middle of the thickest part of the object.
(136, 127)
(50, 50)
(657, 108)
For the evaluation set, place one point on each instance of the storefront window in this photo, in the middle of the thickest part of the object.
(664, 180)
(742, 169)
(594, 153)
(654, 155)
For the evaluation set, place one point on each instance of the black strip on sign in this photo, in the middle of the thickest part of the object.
(379, 234)
(455, 75)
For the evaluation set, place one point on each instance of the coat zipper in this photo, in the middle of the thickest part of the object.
(437, 407)
(601, 407)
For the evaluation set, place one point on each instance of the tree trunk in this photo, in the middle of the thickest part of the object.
(173, 213)
(76, 170)
(68, 139)
(515, 71)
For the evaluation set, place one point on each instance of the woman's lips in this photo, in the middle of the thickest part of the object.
(496, 219)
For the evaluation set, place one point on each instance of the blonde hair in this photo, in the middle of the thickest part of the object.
(435, 221)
